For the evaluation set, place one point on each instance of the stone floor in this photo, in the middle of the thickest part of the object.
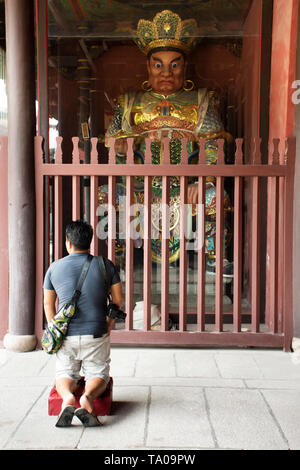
(162, 399)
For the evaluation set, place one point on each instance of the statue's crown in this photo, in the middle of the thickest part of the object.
(166, 30)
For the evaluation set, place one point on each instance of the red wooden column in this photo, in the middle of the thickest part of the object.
(283, 73)
(21, 192)
(288, 245)
(3, 238)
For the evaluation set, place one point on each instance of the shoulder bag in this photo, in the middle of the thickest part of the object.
(57, 328)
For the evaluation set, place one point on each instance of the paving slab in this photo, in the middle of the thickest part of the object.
(241, 420)
(273, 384)
(28, 364)
(125, 428)
(123, 362)
(280, 366)
(37, 430)
(195, 363)
(4, 356)
(178, 417)
(14, 409)
(181, 381)
(238, 366)
(285, 405)
(155, 363)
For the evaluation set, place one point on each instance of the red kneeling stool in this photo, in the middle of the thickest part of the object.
(102, 405)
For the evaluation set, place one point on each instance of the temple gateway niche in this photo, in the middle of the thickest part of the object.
(183, 71)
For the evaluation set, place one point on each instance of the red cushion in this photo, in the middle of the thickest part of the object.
(102, 405)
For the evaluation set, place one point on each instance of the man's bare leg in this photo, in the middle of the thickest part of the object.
(66, 388)
(94, 388)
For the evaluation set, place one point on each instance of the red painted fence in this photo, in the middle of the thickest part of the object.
(272, 327)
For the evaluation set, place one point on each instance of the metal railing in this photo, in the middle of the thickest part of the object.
(269, 321)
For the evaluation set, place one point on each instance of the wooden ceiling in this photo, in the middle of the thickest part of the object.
(115, 19)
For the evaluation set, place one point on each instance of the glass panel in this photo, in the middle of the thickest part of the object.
(93, 63)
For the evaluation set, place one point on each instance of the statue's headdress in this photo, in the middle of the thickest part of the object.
(167, 30)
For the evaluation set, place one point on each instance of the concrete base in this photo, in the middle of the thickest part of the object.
(296, 345)
(20, 343)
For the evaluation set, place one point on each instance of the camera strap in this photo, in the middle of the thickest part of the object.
(103, 272)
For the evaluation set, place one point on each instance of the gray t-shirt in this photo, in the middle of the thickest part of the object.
(62, 276)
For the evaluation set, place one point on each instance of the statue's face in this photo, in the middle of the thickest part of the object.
(166, 71)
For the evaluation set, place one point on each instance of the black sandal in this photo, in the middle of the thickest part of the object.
(65, 417)
(88, 420)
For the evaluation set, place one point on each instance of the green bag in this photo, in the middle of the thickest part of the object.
(57, 328)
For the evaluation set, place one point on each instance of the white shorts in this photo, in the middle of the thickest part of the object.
(84, 353)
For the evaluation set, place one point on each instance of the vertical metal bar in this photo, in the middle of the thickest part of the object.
(147, 240)
(273, 253)
(75, 181)
(280, 281)
(255, 256)
(288, 244)
(129, 242)
(165, 240)
(93, 212)
(279, 159)
(237, 256)
(58, 240)
(182, 249)
(201, 241)
(219, 240)
(94, 197)
(255, 270)
(111, 249)
(58, 236)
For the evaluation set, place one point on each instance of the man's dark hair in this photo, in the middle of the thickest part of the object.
(80, 234)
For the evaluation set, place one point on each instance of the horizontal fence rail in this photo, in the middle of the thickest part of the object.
(263, 191)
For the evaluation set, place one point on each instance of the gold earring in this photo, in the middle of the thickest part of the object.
(146, 86)
(187, 87)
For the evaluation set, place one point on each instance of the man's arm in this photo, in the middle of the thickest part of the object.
(116, 294)
(49, 303)
(117, 298)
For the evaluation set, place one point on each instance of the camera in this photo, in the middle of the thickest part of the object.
(114, 312)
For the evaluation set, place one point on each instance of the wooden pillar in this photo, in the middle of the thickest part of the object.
(3, 238)
(296, 231)
(282, 110)
(21, 191)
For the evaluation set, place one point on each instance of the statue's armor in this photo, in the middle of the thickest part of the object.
(183, 115)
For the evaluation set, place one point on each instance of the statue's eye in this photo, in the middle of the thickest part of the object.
(174, 65)
(157, 65)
